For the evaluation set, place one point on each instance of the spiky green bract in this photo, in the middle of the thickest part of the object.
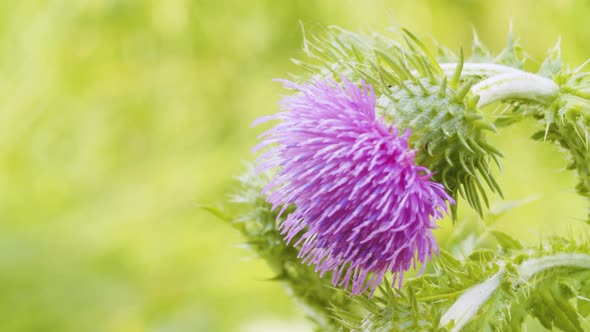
(253, 217)
(565, 117)
(450, 133)
(512, 55)
(448, 130)
(567, 122)
(548, 282)
(517, 110)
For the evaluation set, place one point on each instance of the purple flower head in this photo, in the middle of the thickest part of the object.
(363, 207)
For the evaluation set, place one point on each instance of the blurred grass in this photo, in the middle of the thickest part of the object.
(118, 117)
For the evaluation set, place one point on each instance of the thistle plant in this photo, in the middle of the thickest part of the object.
(377, 140)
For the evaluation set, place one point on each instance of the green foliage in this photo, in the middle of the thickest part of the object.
(554, 294)
(497, 281)
(551, 304)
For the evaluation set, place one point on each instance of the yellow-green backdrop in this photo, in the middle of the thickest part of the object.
(118, 117)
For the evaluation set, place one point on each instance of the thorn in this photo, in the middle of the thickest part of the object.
(498, 163)
(484, 171)
(474, 198)
(479, 185)
(409, 42)
(485, 125)
(557, 48)
(393, 64)
(462, 190)
(580, 67)
(354, 50)
(464, 142)
(424, 49)
(217, 212)
(463, 164)
(305, 66)
(457, 75)
(472, 101)
(482, 192)
(443, 88)
(444, 176)
(472, 116)
(474, 144)
(491, 149)
(281, 277)
(476, 40)
(478, 48)
(428, 70)
(497, 187)
(418, 83)
(406, 88)
(429, 149)
(385, 76)
(448, 158)
(462, 92)
(305, 42)
(454, 211)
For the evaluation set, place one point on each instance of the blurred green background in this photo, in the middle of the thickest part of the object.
(118, 117)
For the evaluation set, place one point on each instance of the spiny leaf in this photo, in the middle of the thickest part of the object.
(552, 64)
(512, 55)
(217, 212)
(550, 304)
(479, 53)
(458, 69)
(506, 241)
(421, 301)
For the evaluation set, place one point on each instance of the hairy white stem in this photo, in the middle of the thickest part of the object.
(515, 86)
(504, 83)
(469, 303)
(529, 268)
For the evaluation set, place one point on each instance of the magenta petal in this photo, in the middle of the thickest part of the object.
(363, 207)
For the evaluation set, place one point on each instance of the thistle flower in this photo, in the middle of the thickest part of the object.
(363, 207)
